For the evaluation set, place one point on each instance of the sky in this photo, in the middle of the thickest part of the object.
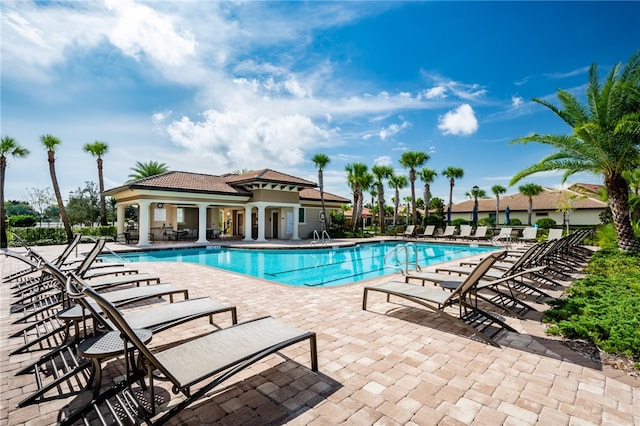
(216, 87)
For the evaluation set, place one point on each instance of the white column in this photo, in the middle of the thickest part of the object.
(296, 223)
(247, 223)
(120, 219)
(143, 223)
(202, 223)
(261, 223)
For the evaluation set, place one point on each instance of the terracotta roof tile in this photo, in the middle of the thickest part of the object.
(314, 194)
(267, 175)
(188, 182)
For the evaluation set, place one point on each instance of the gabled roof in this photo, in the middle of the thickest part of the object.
(184, 182)
(228, 184)
(549, 199)
(266, 176)
(314, 194)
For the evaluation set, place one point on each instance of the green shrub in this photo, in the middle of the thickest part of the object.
(603, 307)
(22, 220)
(515, 221)
(458, 222)
(433, 219)
(485, 221)
(545, 223)
(41, 236)
(605, 236)
(108, 232)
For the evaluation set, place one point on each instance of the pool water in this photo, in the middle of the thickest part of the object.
(306, 267)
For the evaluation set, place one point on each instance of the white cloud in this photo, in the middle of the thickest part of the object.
(516, 101)
(461, 121)
(141, 30)
(385, 160)
(248, 139)
(436, 92)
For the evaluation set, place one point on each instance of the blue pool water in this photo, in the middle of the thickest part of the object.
(306, 267)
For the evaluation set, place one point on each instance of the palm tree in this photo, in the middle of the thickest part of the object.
(427, 176)
(452, 173)
(144, 170)
(321, 161)
(380, 173)
(604, 139)
(51, 143)
(397, 183)
(412, 160)
(98, 149)
(530, 190)
(359, 180)
(497, 190)
(8, 146)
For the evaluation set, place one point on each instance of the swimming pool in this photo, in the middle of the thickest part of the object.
(306, 267)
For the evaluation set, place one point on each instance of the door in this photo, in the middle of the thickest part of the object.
(274, 221)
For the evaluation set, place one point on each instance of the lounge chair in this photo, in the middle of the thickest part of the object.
(480, 234)
(554, 234)
(465, 232)
(503, 237)
(449, 232)
(529, 234)
(209, 360)
(408, 232)
(525, 274)
(428, 232)
(58, 319)
(468, 315)
(62, 363)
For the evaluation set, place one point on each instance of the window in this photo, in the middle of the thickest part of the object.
(543, 214)
(180, 215)
(301, 213)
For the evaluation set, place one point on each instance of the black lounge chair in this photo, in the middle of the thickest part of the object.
(469, 315)
(208, 360)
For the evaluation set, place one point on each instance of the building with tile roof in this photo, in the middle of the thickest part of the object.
(584, 209)
(266, 203)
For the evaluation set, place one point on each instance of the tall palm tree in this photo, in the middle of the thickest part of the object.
(51, 143)
(497, 191)
(412, 160)
(530, 190)
(144, 170)
(321, 161)
(380, 173)
(8, 147)
(359, 180)
(427, 176)
(98, 149)
(397, 183)
(452, 173)
(604, 139)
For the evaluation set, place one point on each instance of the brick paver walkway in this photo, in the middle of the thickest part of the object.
(393, 364)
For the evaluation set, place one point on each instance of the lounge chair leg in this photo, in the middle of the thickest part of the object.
(314, 352)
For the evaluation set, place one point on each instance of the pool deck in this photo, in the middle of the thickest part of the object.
(393, 364)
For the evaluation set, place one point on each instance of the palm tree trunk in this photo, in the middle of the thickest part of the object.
(529, 211)
(618, 190)
(56, 190)
(497, 210)
(414, 215)
(103, 204)
(3, 224)
(381, 208)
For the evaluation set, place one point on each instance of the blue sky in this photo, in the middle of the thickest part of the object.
(214, 87)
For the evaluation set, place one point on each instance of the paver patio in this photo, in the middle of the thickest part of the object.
(393, 364)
